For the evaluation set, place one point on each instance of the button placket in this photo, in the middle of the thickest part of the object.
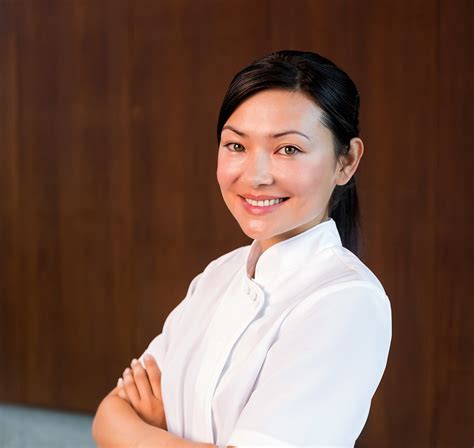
(253, 294)
(228, 323)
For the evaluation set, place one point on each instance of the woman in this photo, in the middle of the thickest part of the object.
(282, 342)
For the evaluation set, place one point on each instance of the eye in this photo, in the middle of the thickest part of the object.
(231, 147)
(294, 148)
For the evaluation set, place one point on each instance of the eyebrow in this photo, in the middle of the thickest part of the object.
(280, 134)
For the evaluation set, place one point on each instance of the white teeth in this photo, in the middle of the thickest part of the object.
(265, 203)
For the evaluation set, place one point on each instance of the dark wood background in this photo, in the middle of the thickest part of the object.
(109, 203)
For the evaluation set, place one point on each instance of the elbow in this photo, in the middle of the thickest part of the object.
(97, 423)
(94, 429)
(95, 426)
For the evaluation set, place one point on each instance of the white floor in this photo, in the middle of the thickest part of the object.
(29, 427)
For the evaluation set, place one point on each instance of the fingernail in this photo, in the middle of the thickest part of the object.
(148, 357)
(125, 372)
(120, 382)
(134, 361)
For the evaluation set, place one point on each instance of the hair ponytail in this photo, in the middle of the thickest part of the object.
(344, 209)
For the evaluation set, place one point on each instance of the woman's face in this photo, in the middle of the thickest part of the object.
(260, 159)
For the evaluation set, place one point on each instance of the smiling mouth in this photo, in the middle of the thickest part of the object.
(265, 203)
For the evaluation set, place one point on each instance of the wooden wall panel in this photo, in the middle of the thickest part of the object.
(109, 203)
(452, 298)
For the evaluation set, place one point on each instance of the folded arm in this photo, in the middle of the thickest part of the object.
(117, 425)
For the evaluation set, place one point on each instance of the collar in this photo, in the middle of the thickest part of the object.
(276, 265)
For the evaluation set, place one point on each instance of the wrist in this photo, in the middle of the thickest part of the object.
(156, 422)
(155, 436)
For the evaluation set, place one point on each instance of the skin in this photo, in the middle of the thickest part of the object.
(133, 414)
(263, 165)
(141, 388)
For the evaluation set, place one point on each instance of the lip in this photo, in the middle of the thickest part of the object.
(255, 210)
(259, 197)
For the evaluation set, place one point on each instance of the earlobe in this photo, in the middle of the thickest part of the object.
(343, 176)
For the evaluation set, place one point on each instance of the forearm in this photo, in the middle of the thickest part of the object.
(162, 438)
(117, 425)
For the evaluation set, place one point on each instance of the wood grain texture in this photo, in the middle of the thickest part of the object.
(453, 329)
(109, 203)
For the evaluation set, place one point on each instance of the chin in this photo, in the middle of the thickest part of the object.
(260, 232)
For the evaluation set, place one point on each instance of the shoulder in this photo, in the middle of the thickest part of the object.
(209, 284)
(353, 320)
(355, 265)
(220, 270)
(229, 261)
(342, 268)
(344, 289)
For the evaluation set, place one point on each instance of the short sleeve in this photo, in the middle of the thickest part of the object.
(159, 345)
(318, 379)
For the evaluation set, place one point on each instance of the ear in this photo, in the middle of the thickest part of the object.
(348, 163)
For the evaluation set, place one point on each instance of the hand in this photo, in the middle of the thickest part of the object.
(141, 388)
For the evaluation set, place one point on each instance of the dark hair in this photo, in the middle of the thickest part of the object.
(333, 91)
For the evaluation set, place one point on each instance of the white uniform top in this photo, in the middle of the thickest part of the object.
(291, 357)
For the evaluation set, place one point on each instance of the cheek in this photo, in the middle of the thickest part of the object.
(312, 179)
(227, 171)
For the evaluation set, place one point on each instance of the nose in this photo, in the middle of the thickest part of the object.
(257, 170)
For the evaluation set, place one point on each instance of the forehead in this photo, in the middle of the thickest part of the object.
(276, 109)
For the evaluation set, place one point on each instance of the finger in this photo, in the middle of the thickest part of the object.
(121, 387)
(154, 375)
(121, 391)
(141, 380)
(130, 387)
